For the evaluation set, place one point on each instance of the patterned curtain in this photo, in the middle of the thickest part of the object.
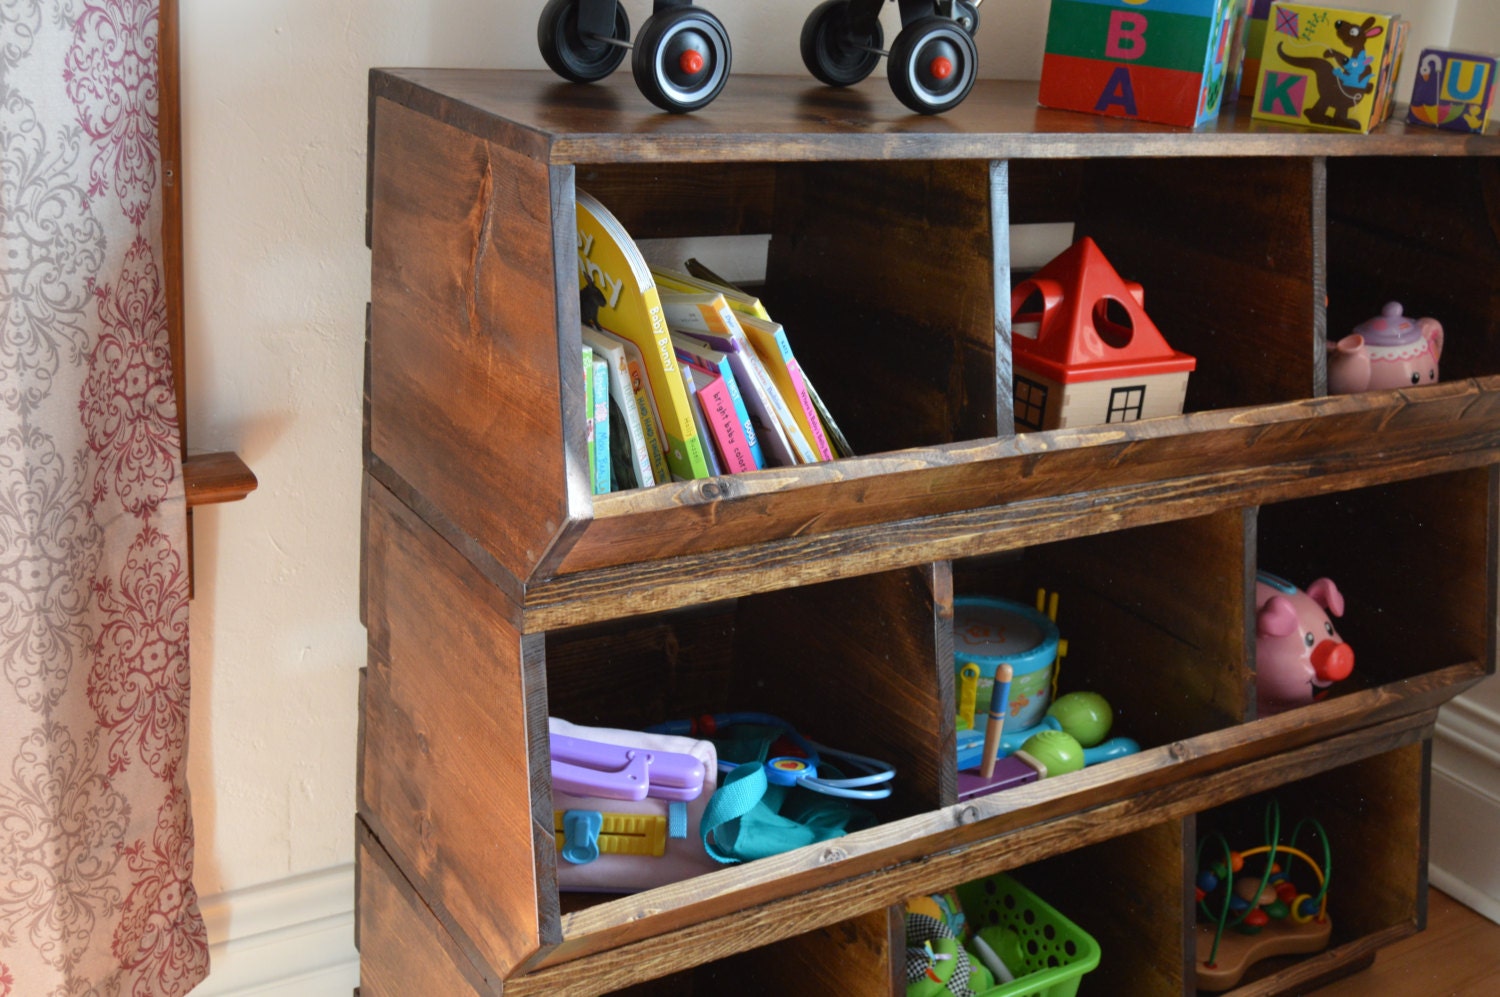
(96, 843)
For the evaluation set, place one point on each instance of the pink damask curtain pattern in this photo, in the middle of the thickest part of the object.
(96, 844)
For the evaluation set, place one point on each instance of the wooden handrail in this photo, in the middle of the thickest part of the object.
(216, 477)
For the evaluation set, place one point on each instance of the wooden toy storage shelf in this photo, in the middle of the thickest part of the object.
(497, 591)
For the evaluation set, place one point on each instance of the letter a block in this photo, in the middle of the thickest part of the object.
(1155, 60)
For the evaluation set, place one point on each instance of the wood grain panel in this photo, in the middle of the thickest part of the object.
(627, 951)
(865, 665)
(1232, 272)
(794, 118)
(468, 328)
(400, 939)
(1158, 621)
(1133, 896)
(662, 201)
(1415, 561)
(1209, 460)
(882, 274)
(1425, 233)
(450, 720)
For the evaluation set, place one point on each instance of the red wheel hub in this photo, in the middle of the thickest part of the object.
(941, 68)
(691, 62)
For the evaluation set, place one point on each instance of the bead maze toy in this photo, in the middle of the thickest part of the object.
(1250, 917)
(681, 55)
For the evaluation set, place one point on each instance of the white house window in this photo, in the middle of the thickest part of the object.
(1126, 404)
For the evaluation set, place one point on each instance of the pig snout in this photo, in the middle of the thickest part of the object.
(1332, 660)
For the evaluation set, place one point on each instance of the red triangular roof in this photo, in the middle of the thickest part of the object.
(1068, 347)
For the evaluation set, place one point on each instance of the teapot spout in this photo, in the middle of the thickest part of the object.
(1348, 365)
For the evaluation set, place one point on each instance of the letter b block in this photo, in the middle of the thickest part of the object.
(1155, 60)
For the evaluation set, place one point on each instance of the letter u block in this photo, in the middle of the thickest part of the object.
(1154, 60)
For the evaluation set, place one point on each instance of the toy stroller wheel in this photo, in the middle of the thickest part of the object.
(681, 58)
(933, 65)
(834, 51)
(568, 53)
(967, 16)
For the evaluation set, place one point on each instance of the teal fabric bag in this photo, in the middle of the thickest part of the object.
(749, 818)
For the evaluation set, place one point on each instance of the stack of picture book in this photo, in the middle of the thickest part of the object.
(685, 376)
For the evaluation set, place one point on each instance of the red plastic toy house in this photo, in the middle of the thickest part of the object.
(1085, 351)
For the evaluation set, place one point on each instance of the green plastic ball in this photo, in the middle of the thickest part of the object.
(1058, 750)
(1085, 715)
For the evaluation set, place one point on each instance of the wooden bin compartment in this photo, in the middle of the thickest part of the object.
(1423, 232)
(1227, 251)
(1153, 618)
(882, 274)
(1415, 561)
(1375, 813)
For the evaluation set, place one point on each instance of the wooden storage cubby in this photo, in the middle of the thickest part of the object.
(497, 591)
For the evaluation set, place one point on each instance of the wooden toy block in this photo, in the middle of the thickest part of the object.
(1256, 15)
(1327, 67)
(1154, 60)
(1454, 91)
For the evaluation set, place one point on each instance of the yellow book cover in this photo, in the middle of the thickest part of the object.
(620, 294)
(1321, 66)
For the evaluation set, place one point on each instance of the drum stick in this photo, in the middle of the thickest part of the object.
(999, 701)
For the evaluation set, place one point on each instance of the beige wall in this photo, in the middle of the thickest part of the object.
(277, 274)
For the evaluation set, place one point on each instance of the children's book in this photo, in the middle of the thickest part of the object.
(630, 454)
(599, 395)
(742, 302)
(705, 316)
(724, 424)
(1324, 67)
(695, 351)
(700, 417)
(770, 342)
(588, 410)
(645, 404)
(619, 294)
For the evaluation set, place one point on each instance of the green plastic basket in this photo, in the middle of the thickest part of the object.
(1047, 953)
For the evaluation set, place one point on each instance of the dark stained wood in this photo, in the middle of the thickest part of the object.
(465, 326)
(1202, 462)
(1434, 595)
(1425, 233)
(1232, 269)
(793, 118)
(615, 953)
(865, 665)
(1132, 896)
(448, 713)
(400, 939)
(497, 591)
(882, 276)
(216, 477)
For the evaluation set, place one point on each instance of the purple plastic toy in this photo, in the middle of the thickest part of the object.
(1389, 351)
(1298, 653)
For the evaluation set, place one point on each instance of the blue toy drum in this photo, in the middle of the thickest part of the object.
(988, 632)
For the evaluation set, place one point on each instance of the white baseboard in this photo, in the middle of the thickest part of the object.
(290, 938)
(1465, 844)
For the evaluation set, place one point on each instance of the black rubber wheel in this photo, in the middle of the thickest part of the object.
(833, 51)
(681, 58)
(933, 64)
(569, 54)
(967, 16)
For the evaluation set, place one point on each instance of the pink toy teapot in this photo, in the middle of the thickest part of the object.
(1388, 351)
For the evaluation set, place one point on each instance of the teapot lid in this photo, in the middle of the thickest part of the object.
(1389, 328)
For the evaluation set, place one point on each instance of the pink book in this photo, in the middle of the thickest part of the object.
(723, 421)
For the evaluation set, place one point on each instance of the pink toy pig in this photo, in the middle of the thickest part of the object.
(1389, 351)
(1298, 653)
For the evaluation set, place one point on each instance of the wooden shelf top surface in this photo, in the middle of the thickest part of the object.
(793, 118)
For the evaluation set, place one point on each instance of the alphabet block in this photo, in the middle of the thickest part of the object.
(1154, 60)
(1328, 67)
(1454, 91)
